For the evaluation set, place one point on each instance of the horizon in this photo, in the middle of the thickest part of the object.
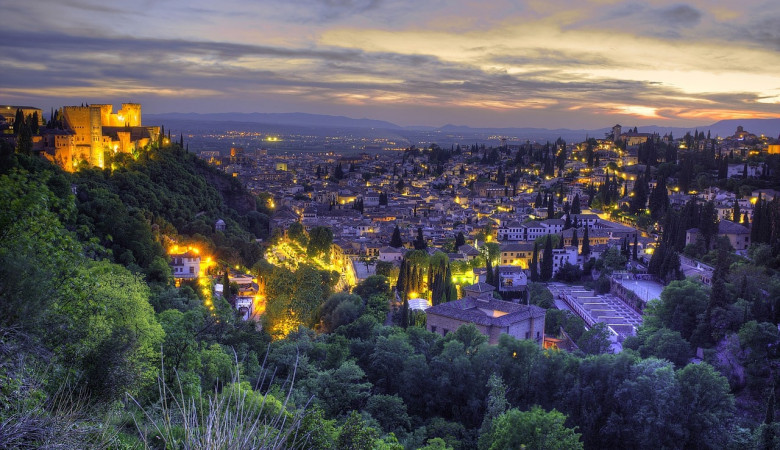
(570, 65)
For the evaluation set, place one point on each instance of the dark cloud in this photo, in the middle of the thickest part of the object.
(763, 32)
(679, 15)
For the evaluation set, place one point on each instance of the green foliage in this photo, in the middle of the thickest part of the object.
(340, 309)
(539, 295)
(297, 234)
(572, 324)
(107, 326)
(661, 343)
(681, 304)
(708, 405)
(534, 429)
(595, 341)
(37, 253)
(320, 240)
(611, 260)
(389, 411)
(356, 435)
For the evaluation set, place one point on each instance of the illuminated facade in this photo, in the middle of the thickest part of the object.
(89, 132)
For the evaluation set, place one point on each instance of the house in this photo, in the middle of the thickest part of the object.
(185, 265)
(739, 235)
(390, 254)
(517, 254)
(491, 317)
(512, 279)
(245, 306)
(468, 252)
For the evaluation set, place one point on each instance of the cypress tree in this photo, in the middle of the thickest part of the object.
(489, 273)
(575, 205)
(450, 292)
(401, 283)
(395, 240)
(636, 245)
(575, 242)
(460, 239)
(535, 264)
(586, 243)
(18, 121)
(551, 207)
(405, 314)
(547, 261)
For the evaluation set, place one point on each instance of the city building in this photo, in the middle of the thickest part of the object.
(491, 317)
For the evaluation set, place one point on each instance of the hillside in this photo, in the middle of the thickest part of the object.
(100, 348)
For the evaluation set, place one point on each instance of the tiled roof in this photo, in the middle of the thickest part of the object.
(473, 310)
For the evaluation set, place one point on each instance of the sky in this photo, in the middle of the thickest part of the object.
(491, 63)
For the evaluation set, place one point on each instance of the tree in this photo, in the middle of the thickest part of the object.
(709, 405)
(297, 233)
(355, 434)
(320, 240)
(459, 240)
(496, 405)
(546, 270)
(681, 304)
(551, 207)
(575, 241)
(638, 199)
(534, 430)
(395, 240)
(575, 205)
(24, 142)
(420, 243)
(535, 263)
(595, 341)
(661, 343)
(585, 243)
(389, 411)
(108, 328)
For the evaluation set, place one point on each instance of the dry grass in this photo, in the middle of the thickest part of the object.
(227, 419)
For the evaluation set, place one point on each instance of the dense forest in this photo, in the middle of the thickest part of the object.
(98, 348)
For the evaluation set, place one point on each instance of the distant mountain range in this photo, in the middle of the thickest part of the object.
(723, 128)
(297, 119)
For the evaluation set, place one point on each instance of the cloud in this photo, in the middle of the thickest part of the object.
(591, 59)
(680, 15)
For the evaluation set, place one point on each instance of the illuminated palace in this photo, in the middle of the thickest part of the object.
(88, 132)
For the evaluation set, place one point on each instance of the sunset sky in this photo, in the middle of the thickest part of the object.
(546, 63)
